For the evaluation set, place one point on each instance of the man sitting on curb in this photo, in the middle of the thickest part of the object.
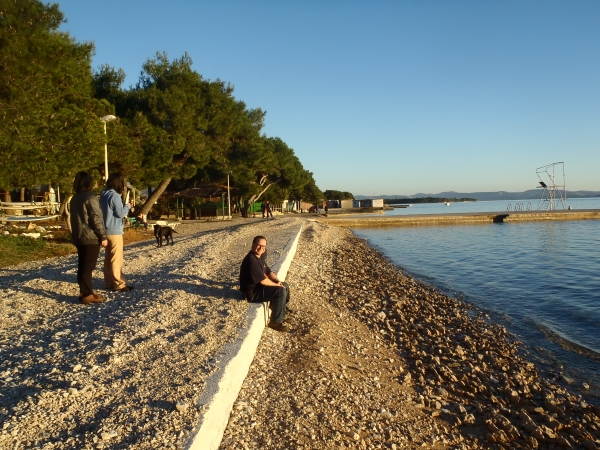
(260, 284)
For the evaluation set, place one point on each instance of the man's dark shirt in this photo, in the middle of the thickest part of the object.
(252, 271)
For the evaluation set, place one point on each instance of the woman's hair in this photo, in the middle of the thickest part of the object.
(115, 181)
(83, 182)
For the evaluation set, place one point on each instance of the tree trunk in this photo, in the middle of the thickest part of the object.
(65, 212)
(257, 196)
(155, 196)
(124, 193)
(244, 210)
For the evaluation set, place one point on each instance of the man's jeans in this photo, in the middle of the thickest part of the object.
(279, 296)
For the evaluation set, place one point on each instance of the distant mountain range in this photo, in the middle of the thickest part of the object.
(482, 196)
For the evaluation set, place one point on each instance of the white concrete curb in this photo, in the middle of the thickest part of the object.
(223, 387)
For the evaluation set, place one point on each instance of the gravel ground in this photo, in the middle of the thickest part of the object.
(126, 373)
(378, 360)
(375, 359)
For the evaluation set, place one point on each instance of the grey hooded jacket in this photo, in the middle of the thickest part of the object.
(87, 223)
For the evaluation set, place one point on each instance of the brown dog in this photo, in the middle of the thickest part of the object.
(163, 231)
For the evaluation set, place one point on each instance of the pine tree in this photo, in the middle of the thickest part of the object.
(49, 127)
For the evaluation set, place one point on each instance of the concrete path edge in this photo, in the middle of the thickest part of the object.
(222, 388)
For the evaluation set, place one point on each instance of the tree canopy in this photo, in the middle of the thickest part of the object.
(174, 127)
(338, 195)
(50, 120)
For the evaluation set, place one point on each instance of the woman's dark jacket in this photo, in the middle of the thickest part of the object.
(87, 223)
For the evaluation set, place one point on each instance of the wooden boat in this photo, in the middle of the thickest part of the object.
(15, 211)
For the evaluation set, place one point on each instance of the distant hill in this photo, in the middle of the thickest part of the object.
(483, 196)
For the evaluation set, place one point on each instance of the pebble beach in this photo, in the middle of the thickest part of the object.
(375, 358)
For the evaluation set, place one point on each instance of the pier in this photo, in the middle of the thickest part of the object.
(356, 221)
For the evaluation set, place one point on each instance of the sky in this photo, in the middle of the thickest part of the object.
(387, 97)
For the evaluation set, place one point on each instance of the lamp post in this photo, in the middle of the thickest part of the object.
(228, 198)
(105, 119)
(223, 204)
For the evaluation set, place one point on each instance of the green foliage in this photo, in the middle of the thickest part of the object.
(337, 195)
(311, 193)
(173, 125)
(49, 123)
(15, 250)
(107, 83)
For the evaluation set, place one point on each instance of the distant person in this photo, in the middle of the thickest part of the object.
(326, 209)
(260, 284)
(268, 209)
(263, 207)
(88, 234)
(114, 212)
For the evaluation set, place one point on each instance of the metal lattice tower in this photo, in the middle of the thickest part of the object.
(552, 181)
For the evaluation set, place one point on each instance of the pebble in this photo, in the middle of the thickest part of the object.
(110, 435)
(182, 406)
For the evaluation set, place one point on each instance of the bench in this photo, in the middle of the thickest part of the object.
(164, 223)
(134, 223)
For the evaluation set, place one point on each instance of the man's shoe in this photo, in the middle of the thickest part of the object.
(92, 298)
(279, 327)
(124, 289)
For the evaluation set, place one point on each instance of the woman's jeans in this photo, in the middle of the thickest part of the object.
(88, 257)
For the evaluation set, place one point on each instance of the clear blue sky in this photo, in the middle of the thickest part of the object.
(388, 97)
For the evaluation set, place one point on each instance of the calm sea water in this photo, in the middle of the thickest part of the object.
(488, 206)
(540, 279)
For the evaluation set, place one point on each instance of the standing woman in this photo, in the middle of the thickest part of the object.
(114, 212)
(88, 234)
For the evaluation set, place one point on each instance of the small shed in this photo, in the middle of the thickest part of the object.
(368, 203)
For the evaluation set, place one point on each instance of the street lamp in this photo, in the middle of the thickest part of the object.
(223, 205)
(228, 199)
(105, 119)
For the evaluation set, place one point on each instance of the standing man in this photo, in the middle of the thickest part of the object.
(268, 209)
(260, 284)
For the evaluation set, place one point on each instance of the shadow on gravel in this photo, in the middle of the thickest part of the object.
(61, 343)
(40, 356)
(14, 277)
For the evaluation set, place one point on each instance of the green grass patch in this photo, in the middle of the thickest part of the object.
(15, 250)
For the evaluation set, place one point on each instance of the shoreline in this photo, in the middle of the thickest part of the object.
(376, 359)
(380, 360)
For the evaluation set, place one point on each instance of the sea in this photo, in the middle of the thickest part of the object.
(539, 279)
